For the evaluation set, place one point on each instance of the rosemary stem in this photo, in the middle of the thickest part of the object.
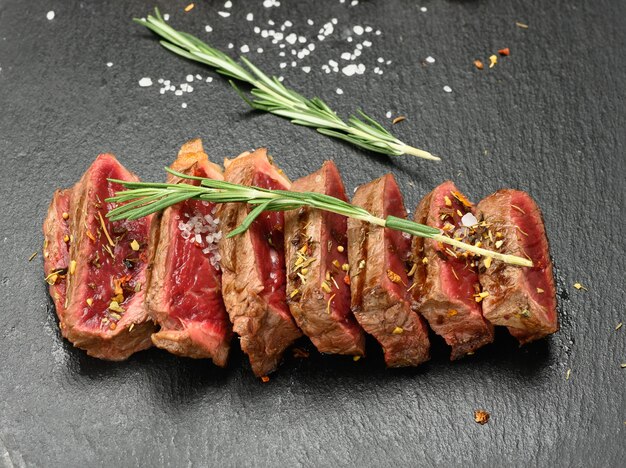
(511, 259)
(406, 149)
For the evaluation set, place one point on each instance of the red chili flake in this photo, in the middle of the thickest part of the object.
(504, 51)
(478, 64)
(346, 279)
(265, 379)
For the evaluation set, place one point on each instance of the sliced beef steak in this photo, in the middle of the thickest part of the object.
(522, 299)
(379, 285)
(104, 311)
(56, 250)
(446, 279)
(253, 268)
(184, 286)
(316, 256)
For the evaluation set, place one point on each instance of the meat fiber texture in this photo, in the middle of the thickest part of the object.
(103, 310)
(316, 254)
(447, 283)
(184, 293)
(378, 258)
(253, 268)
(520, 298)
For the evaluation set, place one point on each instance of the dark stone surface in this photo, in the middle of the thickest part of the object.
(549, 119)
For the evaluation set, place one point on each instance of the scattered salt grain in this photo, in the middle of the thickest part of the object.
(224, 14)
(354, 3)
(228, 4)
(198, 77)
(447, 89)
(282, 65)
(339, 91)
(430, 59)
(209, 79)
(260, 50)
(367, 44)
(208, 28)
(310, 22)
(109, 64)
(244, 49)
(368, 29)
(380, 60)
(271, 3)
(50, 15)
(178, 92)
(388, 114)
(189, 78)
(358, 30)
(423, 9)
(345, 56)
(378, 32)
(249, 17)
(166, 17)
(184, 105)
(291, 38)
(145, 82)
(306, 69)
(469, 220)
(230, 45)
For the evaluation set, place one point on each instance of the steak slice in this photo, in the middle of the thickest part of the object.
(316, 256)
(104, 310)
(56, 251)
(184, 294)
(447, 280)
(521, 299)
(253, 268)
(379, 283)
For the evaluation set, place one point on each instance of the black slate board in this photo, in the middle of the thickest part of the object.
(549, 119)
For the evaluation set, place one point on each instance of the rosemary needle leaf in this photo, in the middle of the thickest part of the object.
(144, 198)
(270, 95)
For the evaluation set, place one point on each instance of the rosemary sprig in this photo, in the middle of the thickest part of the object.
(270, 95)
(144, 198)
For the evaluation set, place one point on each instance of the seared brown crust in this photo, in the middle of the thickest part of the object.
(133, 330)
(331, 331)
(56, 253)
(376, 304)
(513, 299)
(458, 321)
(265, 332)
(189, 339)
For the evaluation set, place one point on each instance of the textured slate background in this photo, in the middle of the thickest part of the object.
(549, 119)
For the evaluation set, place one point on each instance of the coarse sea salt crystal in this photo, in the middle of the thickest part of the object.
(292, 38)
(208, 28)
(109, 64)
(209, 79)
(423, 9)
(358, 30)
(249, 17)
(189, 78)
(224, 14)
(178, 92)
(145, 82)
(469, 220)
(430, 59)
(228, 4)
(345, 56)
(166, 17)
(447, 89)
(259, 50)
(339, 91)
(198, 77)
(306, 69)
(50, 15)
(230, 45)
(388, 114)
(245, 49)
(184, 105)
(310, 22)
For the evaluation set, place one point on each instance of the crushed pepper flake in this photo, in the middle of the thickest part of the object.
(398, 331)
(265, 379)
(505, 52)
(493, 59)
(580, 286)
(618, 326)
(189, 7)
(134, 245)
(33, 255)
(481, 417)
(478, 64)
(398, 119)
(356, 358)
(521, 25)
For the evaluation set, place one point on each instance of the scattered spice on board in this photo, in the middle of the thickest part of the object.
(506, 51)
(580, 286)
(568, 374)
(521, 25)
(623, 365)
(189, 7)
(618, 326)
(493, 59)
(265, 379)
(300, 353)
(481, 417)
(356, 358)
(478, 64)
(34, 254)
(398, 119)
